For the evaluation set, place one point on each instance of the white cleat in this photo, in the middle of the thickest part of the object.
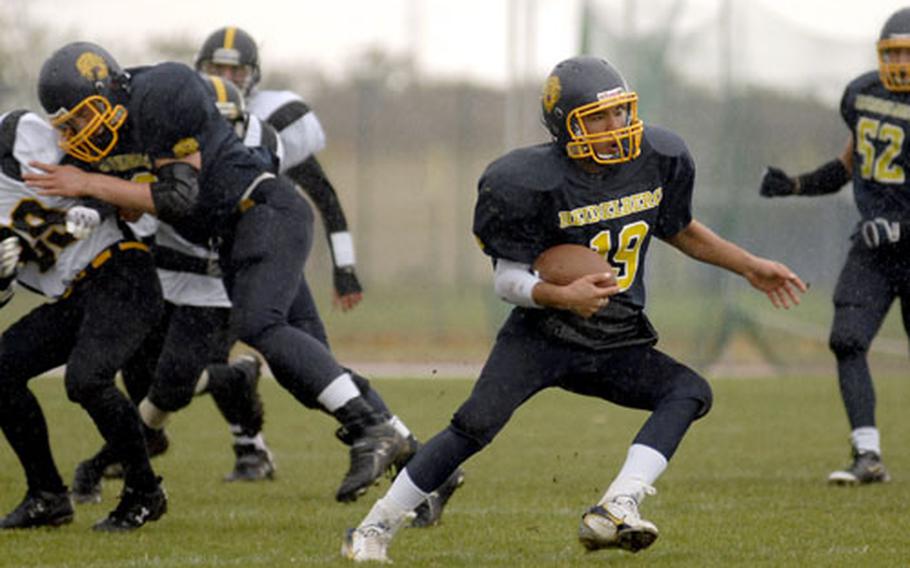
(616, 524)
(370, 543)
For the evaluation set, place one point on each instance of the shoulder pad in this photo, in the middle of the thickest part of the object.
(664, 142)
(265, 104)
(26, 137)
(538, 168)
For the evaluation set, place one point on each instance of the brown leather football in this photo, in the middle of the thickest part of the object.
(566, 263)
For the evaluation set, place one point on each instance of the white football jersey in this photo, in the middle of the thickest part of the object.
(300, 130)
(52, 256)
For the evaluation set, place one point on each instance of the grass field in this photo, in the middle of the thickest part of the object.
(746, 487)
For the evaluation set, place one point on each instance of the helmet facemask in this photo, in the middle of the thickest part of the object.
(624, 142)
(89, 130)
(895, 75)
(244, 76)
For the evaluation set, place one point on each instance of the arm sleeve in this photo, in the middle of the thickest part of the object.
(310, 176)
(514, 282)
(828, 178)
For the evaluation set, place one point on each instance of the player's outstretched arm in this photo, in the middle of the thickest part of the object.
(827, 178)
(70, 181)
(310, 176)
(779, 283)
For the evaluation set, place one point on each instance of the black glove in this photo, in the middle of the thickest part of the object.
(776, 183)
(879, 231)
(346, 281)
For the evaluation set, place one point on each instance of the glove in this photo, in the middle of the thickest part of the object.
(81, 221)
(776, 183)
(10, 249)
(346, 282)
(879, 231)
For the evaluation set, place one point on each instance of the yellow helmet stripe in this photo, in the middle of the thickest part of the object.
(220, 90)
(229, 34)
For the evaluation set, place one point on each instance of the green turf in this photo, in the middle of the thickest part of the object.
(746, 487)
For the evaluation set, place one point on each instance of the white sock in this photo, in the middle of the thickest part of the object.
(241, 440)
(399, 426)
(641, 469)
(151, 415)
(398, 502)
(338, 393)
(202, 383)
(866, 439)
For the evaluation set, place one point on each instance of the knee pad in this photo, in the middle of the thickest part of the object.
(694, 387)
(844, 343)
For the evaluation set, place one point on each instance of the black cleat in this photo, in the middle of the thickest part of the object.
(40, 509)
(371, 455)
(252, 464)
(867, 467)
(86, 483)
(429, 512)
(135, 509)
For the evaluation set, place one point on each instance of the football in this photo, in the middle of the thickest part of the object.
(565, 263)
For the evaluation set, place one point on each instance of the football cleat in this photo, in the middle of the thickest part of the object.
(370, 543)
(252, 464)
(40, 509)
(135, 509)
(405, 453)
(371, 455)
(867, 467)
(86, 483)
(616, 524)
(429, 512)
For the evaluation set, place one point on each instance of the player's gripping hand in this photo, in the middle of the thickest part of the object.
(348, 292)
(879, 231)
(776, 183)
(10, 250)
(589, 294)
(81, 221)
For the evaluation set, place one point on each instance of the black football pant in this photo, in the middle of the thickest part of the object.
(304, 315)
(524, 362)
(263, 262)
(167, 366)
(868, 284)
(93, 330)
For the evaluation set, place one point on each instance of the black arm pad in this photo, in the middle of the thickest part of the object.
(176, 191)
(309, 176)
(828, 178)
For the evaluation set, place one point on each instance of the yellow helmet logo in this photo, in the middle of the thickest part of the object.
(92, 66)
(185, 147)
(551, 91)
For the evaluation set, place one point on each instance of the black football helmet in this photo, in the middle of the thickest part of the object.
(895, 75)
(76, 87)
(228, 100)
(230, 53)
(583, 86)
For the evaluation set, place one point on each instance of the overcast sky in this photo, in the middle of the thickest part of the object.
(463, 38)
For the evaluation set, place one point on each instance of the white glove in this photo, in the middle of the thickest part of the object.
(10, 249)
(81, 221)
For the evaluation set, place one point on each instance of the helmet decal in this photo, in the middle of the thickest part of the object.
(92, 66)
(551, 91)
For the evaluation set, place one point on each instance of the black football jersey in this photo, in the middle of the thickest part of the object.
(536, 197)
(880, 122)
(170, 115)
